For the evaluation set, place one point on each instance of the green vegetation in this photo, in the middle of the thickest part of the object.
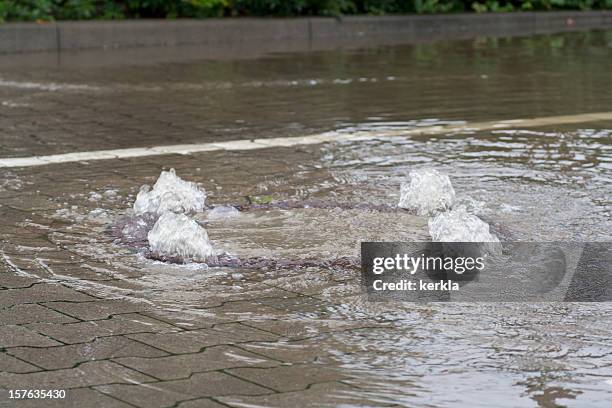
(48, 10)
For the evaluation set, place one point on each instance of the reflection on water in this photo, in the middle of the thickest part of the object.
(550, 183)
(296, 94)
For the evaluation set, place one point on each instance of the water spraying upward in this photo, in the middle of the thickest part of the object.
(178, 238)
(170, 194)
(457, 225)
(427, 193)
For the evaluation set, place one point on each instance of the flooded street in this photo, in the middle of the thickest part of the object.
(304, 336)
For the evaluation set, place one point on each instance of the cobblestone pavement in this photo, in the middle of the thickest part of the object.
(81, 313)
(80, 321)
(117, 353)
(85, 315)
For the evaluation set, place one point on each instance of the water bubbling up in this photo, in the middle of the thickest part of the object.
(170, 194)
(427, 193)
(174, 236)
(179, 238)
(430, 193)
(457, 225)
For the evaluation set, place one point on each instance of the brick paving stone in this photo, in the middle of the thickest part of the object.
(99, 309)
(194, 340)
(206, 318)
(293, 329)
(311, 283)
(200, 403)
(167, 393)
(110, 271)
(290, 352)
(42, 292)
(75, 398)
(181, 366)
(32, 313)
(24, 267)
(14, 248)
(85, 375)
(319, 395)
(289, 377)
(243, 310)
(228, 312)
(72, 270)
(301, 304)
(117, 325)
(288, 329)
(115, 343)
(48, 259)
(154, 395)
(255, 291)
(11, 281)
(12, 336)
(11, 364)
(100, 349)
(201, 321)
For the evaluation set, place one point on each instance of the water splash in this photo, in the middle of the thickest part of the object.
(170, 194)
(427, 193)
(458, 225)
(178, 238)
(222, 212)
(9, 181)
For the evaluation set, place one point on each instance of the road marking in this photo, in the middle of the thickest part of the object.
(50, 86)
(327, 137)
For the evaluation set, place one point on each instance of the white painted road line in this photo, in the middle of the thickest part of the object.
(327, 137)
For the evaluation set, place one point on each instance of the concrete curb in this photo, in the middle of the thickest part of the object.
(65, 36)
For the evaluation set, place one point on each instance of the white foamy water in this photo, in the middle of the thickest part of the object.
(458, 225)
(427, 193)
(10, 181)
(170, 194)
(178, 237)
(223, 211)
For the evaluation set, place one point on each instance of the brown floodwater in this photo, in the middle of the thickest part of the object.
(541, 183)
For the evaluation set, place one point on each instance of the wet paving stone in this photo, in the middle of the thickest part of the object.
(11, 364)
(32, 313)
(13, 336)
(97, 309)
(194, 340)
(81, 312)
(184, 365)
(289, 378)
(10, 281)
(75, 398)
(200, 403)
(121, 324)
(168, 393)
(148, 395)
(104, 348)
(85, 375)
(294, 352)
(42, 292)
(297, 326)
(244, 310)
(328, 394)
